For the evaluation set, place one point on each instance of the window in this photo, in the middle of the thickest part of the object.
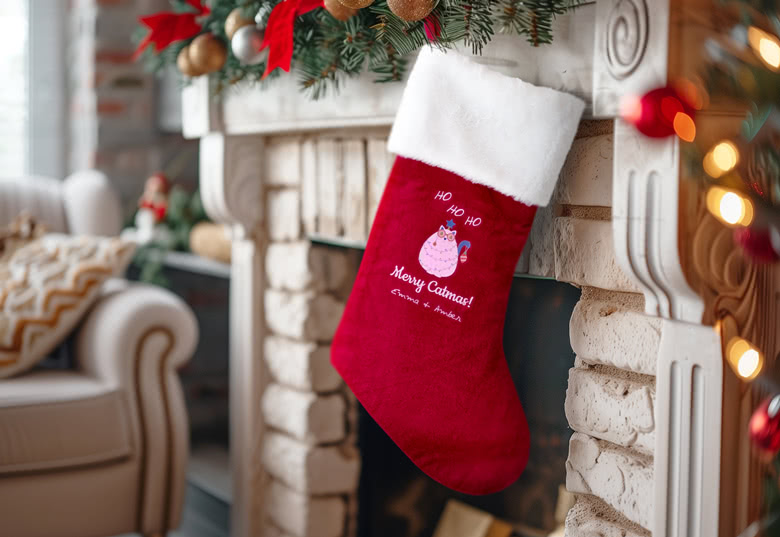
(13, 90)
(33, 91)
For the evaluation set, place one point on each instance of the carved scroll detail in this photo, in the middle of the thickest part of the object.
(231, 186)
(732, 285)
(626, 37)
(645, 223)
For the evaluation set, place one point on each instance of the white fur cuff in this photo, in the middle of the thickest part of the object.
(487, 127)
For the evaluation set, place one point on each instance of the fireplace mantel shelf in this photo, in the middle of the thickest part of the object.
(280, 106)
(257, 150)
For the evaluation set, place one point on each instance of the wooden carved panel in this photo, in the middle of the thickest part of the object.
(746, 296)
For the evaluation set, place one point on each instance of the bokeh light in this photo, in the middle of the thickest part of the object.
(765, 45)
(684, 127)
(721, 159)
(729, 207)
(744, 358)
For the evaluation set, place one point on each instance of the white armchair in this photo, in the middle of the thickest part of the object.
(101, 449)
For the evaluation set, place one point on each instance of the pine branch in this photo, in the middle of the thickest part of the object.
(404, 37)
(470, 21)
(390, 68)
(533, 18)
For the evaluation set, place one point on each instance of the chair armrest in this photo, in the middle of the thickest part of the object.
(118, 330)
(135, 338)
(91, 204)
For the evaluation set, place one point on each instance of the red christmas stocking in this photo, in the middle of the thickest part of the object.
(420, 343)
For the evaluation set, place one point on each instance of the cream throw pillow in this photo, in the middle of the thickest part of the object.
(46, 288)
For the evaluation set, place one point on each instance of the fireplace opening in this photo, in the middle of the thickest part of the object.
(396, 499)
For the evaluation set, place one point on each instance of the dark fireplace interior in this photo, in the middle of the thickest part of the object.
(398, 500)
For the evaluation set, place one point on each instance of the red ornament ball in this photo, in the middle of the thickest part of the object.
(757, 244)
(764, 426)
(660, 113)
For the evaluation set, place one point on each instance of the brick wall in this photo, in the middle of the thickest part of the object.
(611, 395)
(113, 112)
(310, 449)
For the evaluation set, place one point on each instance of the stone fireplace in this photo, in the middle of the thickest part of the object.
(326, 186)
(645, 389)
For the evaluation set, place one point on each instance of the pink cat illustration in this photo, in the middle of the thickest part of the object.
(439, 254)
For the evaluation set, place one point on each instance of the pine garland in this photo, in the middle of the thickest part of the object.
(326, 50)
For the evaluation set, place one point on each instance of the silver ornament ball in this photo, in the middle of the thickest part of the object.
(246, 45)
(774, 238)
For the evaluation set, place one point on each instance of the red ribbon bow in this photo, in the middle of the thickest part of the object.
(279, 32)
(166, 27)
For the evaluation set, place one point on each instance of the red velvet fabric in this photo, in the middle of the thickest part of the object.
(423, 352)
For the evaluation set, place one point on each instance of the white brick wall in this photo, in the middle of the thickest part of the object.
(298, 266)
(585, 180)
(309, 450)
(592, 517)
(612, 405)
(586, 177)
(306, 416)
(311, 469)
(302, 515)
(611, 395)
(284, 218)
(606, 333)
(621, 477)
(304, 316)
(585, 255)
(282, 163)
(304, 366)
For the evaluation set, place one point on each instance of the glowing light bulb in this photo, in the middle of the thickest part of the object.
(725, 156)
(744, 358)
(721, 159)
(770, 52)
(765, 45)
(729, 207)
(748, 363)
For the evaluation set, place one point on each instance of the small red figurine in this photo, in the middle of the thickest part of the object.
(155, 196)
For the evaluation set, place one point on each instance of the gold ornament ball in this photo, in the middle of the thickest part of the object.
(210, 240)
(185, 65)
(411, 10)
(207, 53)
(357, 4)
(338, 10)
(234, 21)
